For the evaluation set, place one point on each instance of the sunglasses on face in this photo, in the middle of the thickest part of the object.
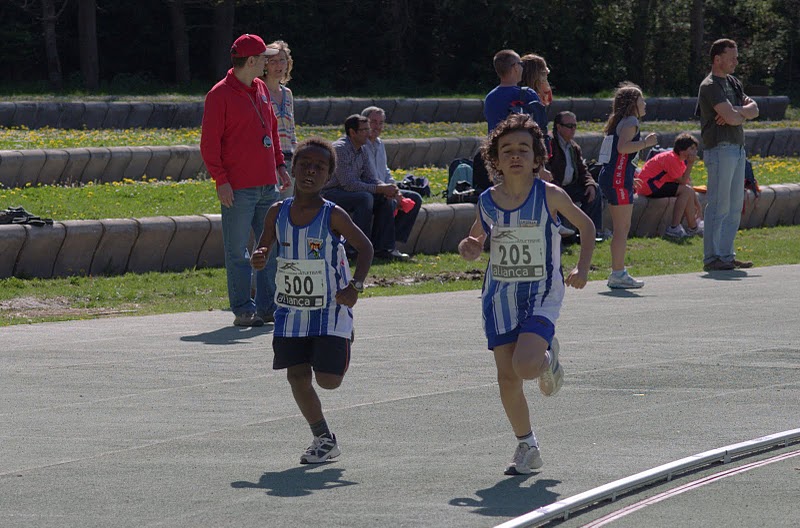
(568, 125)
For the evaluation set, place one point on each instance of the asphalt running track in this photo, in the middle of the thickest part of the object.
(178, 420)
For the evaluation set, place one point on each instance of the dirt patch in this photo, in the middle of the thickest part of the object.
(23, 309)
(34, 308)
(446, 276)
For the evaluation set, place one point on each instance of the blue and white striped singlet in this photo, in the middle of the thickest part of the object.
(507, 304)
(314, 241)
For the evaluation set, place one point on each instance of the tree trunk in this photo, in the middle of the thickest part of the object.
(51, 45)
(638, 43)
(698, 62)
(400, 14)
(222, 38)
(87, 31)
(180, 39)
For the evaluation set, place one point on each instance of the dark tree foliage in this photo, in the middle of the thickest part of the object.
(412, 47)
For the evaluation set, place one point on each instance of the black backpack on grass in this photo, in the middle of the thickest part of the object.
(460, 188)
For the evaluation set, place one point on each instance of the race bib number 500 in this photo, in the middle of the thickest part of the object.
(517, 254)
(301, 284)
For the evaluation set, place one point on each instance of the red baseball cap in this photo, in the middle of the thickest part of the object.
(248, 45)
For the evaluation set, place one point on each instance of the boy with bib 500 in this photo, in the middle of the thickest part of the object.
(314, 293)
(524, 285)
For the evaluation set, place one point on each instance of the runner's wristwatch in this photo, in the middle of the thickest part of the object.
(357, 285)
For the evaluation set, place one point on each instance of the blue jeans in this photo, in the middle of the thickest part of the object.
(372, 213)
(725, 196)
(593, 209)
(404, 222)
(247, 213)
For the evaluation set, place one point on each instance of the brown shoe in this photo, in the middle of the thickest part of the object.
(718, 265)
(742, 264)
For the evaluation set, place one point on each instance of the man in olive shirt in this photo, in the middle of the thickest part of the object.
(723, 107)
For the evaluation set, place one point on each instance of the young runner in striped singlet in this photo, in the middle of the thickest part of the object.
(315, 294)
(524, 285)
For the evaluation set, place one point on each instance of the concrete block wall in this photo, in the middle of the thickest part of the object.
(116, 246)
(19, 168)
(111, 246)
(329, 111)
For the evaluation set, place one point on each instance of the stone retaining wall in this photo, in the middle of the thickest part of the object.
(330, 111)
(19, 168)
(116, 246)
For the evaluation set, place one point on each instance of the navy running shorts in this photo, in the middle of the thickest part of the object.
(535, 324)
(328, 354)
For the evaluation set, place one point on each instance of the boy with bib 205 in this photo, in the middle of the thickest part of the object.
(314, 294)
(524, 285)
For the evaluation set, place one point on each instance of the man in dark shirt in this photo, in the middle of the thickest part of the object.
(723, 107)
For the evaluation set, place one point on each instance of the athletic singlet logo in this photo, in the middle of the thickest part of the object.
(314, 247)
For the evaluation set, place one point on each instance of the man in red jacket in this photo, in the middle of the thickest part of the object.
(241, 150)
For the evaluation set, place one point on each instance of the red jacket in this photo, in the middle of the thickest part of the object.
(232, 136)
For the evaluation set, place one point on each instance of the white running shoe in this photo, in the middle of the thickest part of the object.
(675, 232)
(526, 459)
(565, 231)
(321, 449)
(551, 379)
(624, 282)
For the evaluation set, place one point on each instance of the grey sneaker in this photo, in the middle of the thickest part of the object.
(551, 379)
(321, 449)
(398, 255)
(248, 319)
(526, 459)
(625, 282)
(565, 231)
(676, 232)
(697, 231)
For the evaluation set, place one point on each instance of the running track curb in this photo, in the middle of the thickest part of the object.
(612, 490)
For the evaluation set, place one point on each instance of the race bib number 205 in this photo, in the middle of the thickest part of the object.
(301, 284)
(517, 254)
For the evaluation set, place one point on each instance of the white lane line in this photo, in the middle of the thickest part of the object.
(612, 490)
(602, 521)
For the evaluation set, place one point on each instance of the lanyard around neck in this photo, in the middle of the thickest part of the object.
(258, 113)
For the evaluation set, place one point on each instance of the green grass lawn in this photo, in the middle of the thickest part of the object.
(154, 198)
(17, 138)
(37, 300)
